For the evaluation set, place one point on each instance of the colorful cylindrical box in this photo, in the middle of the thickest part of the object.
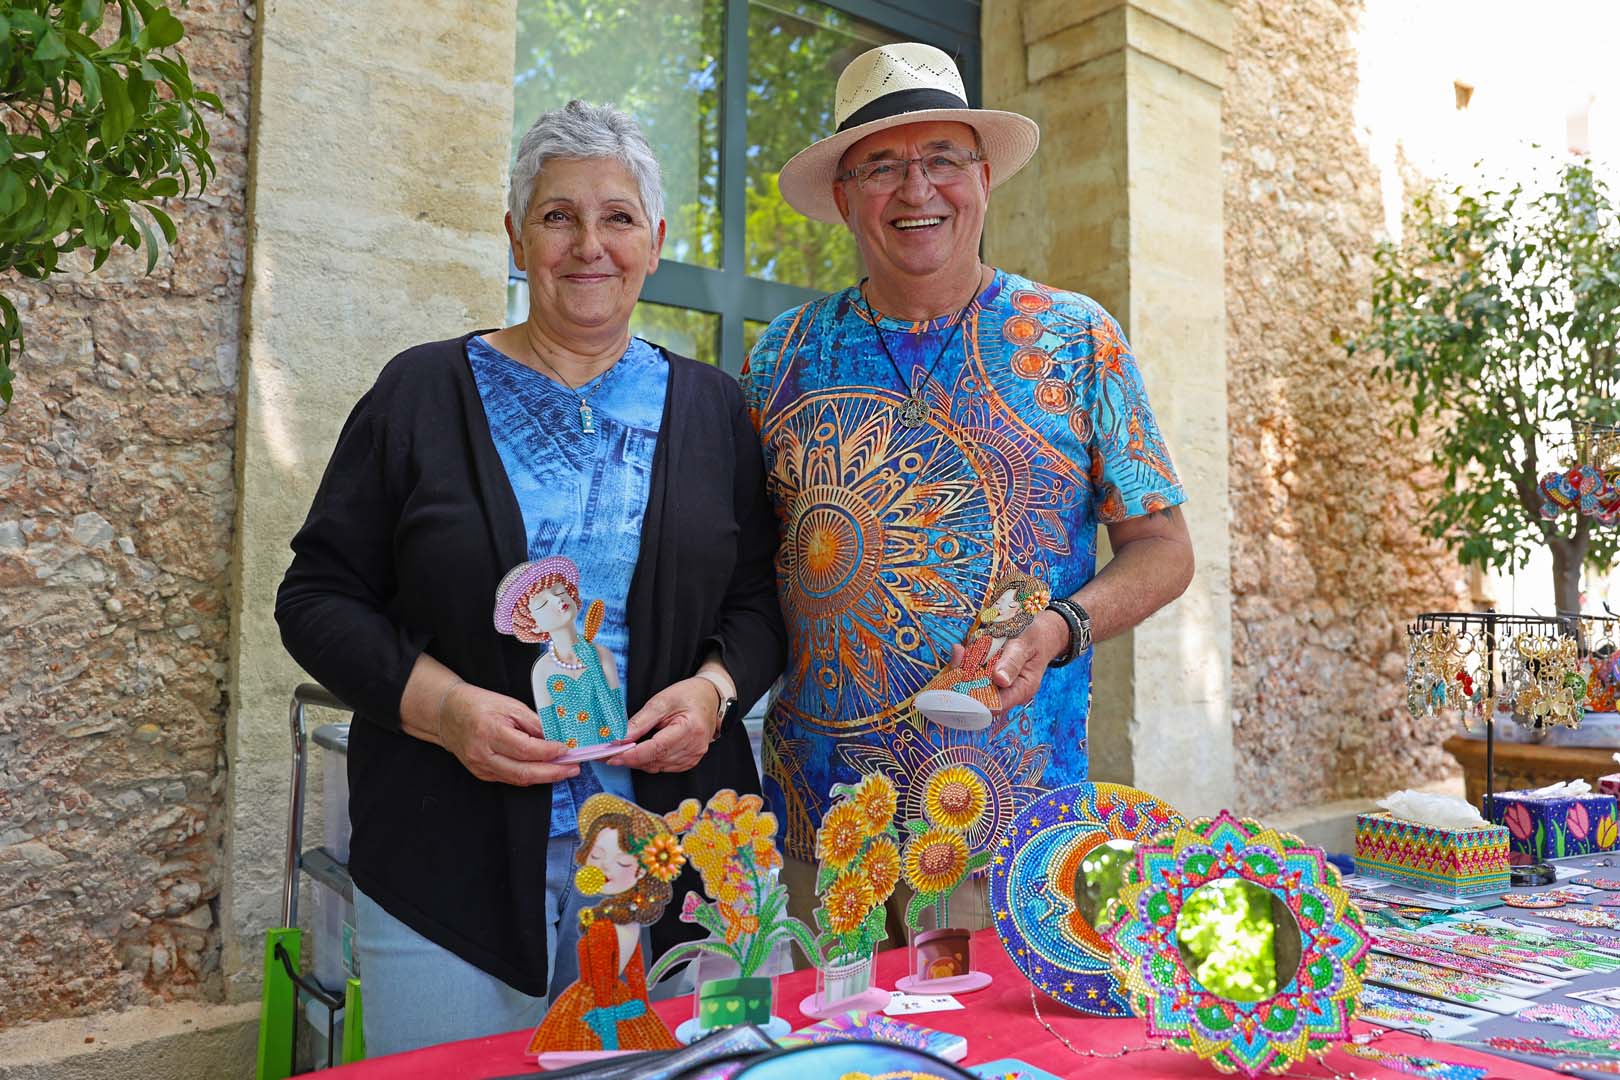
(1458, 863)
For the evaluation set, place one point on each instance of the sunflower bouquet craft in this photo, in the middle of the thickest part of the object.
(858, 849)
(935, 861)
(731, 842)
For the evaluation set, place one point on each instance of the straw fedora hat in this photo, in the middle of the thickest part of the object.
(905, 83)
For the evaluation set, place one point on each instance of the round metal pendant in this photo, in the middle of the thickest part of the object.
(913, 413)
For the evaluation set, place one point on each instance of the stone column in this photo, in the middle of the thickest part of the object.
(1123, 203)
(377, 188)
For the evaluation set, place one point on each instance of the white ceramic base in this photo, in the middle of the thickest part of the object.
(872, 1000)
(949, 709)
(956, 984)
(689, 1032)
(591, 753)
(561, 1059)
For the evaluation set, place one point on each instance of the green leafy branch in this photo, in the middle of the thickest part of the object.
(98, 127)
(1499, 315)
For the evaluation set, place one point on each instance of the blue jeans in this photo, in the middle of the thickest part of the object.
(417, 993)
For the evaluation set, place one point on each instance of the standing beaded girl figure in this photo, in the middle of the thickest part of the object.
(628, 857)
(962, 696)
(576, 681)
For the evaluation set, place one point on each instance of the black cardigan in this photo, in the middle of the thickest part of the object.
(412, 527)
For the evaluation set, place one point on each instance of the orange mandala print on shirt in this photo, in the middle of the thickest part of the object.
(1023, 330)
(1031, 363)
(868, 640)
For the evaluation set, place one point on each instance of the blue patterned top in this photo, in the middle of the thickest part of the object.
(893, 536)
(581, 495)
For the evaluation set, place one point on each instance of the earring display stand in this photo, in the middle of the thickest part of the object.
(1489, 629)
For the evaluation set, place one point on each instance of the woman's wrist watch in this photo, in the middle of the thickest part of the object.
(1079, 623)
(728, 698)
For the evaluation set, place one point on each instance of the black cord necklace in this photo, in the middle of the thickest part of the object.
(915, 412)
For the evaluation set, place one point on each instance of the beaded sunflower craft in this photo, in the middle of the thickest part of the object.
(1237, 944)
(858, 849)
(934, 863)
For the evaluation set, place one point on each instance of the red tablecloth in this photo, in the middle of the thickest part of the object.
(997, 1021)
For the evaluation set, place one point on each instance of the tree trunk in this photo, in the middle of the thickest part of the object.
(1567, 555)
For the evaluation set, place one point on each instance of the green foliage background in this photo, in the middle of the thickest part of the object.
(100, 124)
(671, 82)
(1499, 315)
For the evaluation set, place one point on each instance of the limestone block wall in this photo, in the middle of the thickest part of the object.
(1327, 562)
(116, 505)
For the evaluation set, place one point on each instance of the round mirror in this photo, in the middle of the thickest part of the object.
(1098, 878)
(1238, 939)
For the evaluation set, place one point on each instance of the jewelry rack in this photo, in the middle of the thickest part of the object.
(1489, 624)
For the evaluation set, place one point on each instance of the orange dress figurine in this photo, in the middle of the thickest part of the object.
(962, 695)
(630, 857)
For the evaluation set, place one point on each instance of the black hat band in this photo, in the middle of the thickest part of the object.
(902, 101)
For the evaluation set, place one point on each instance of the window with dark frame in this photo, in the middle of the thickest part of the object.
(727, 91)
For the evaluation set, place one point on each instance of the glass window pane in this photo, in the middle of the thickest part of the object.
(751, 332)
(659, 61)
(681, 330)
(795, 53)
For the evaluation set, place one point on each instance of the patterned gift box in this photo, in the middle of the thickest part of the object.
(1453, 862)
(1552, 825)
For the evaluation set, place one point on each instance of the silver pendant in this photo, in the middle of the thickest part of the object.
(913, 413)
(587, 420)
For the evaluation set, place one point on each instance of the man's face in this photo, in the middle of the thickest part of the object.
(923, 226)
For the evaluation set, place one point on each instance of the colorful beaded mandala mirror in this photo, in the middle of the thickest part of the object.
(1236, 943)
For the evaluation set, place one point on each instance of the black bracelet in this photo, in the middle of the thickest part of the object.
(1060, 607)
(1079, 623)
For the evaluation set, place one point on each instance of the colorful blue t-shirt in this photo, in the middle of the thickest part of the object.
(581, 495)
(1038, 429)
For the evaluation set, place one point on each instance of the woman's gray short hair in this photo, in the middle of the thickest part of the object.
(579, 130)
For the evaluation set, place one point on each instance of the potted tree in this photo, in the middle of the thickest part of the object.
(1499, 315)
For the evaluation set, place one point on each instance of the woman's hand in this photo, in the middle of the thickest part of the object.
(498, 738)
(684, 717)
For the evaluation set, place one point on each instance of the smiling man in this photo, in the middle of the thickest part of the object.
(927, 432)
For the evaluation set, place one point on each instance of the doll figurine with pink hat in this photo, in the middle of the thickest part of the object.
(576, 681)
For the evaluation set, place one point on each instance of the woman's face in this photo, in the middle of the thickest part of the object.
(618, 866)
(552, 608)
(586, 245)
(1004, 607)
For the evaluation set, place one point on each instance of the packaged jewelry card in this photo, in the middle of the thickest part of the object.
(1495, 995)
(859, 1024)
(1405, 1011)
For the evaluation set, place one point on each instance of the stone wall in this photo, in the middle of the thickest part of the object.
(116, 502)
(1327, 563)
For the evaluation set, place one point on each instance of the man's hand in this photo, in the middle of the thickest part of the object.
(499, 739)
(1022, 662)
(685, 716)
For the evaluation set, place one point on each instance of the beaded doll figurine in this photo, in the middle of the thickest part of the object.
(628, 857)
(576, 681)
(962, 696)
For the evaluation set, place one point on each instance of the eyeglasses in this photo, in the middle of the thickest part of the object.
(942, 168)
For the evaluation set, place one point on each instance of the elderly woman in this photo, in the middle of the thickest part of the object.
(590, 462)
